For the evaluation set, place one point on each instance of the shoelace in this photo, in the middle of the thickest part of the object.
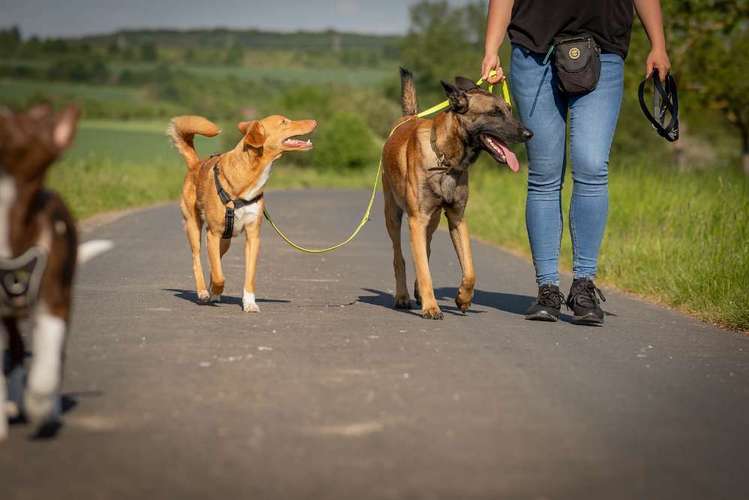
(548, 295)
(585, 295)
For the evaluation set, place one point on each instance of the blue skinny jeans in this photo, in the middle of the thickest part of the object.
(592, 122)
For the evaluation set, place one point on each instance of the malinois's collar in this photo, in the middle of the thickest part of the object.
(230, 203)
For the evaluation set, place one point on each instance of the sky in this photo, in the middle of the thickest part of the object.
(79, 17)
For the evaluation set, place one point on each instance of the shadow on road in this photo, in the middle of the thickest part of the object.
(192, 296)
(509, 302)
(68, 403)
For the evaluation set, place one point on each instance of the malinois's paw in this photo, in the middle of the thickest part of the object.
(215, 298)
(203, 296)
(432, 313)
(402, 302)
(463, 300)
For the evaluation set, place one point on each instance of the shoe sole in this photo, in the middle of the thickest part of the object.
(542, 316)
(588, 320)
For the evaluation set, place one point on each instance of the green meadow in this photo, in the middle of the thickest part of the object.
(677, 239)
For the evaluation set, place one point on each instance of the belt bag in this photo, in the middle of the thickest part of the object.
(577, 61)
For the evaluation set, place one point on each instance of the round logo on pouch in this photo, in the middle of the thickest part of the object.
(574, 53)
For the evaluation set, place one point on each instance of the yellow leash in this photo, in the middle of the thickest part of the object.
(365, 218)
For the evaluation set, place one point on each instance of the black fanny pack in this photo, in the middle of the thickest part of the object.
(577, 61)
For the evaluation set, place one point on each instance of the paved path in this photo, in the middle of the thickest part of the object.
(329, 393)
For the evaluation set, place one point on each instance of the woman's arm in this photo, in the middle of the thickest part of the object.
(652, 18)
(496, 29)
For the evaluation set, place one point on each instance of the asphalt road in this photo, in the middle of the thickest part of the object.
(329, 393)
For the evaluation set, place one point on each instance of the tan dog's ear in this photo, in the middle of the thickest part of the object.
(64, 127)
(254, 133)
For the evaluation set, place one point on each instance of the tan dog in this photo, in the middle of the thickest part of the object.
(225, 192)
(425, 171)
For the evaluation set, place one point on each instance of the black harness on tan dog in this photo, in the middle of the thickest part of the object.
(230, 203)
(20, 280)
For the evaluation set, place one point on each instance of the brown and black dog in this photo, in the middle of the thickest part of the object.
(225, 192)
(425, 171)
(38, 247)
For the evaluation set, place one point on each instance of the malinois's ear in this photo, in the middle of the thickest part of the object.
(64, 127)
(457, 97)
(254, 133)
(464, 83)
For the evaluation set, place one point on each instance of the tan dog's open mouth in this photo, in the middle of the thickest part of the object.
(297, 143)
(500, 151)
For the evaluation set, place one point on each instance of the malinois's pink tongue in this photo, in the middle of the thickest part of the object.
(510, 158)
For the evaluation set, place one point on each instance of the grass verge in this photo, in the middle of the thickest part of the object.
(679, 238)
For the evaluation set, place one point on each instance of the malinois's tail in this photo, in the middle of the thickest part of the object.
(408, 93)
(182, 130)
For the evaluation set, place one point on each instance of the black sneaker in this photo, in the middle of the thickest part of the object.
(583, 300)
(547, 306)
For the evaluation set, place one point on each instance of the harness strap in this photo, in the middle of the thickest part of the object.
(230, 203)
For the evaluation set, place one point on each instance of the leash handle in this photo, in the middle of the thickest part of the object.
(445, 104)
(669, 98)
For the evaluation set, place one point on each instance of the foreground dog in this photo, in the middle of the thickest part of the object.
(225, 192)
(425, 171)
(38, 247)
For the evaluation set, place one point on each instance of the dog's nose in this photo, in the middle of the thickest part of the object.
(527, 135)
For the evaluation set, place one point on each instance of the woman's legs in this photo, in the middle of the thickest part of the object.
(593, 118)
(543, 110)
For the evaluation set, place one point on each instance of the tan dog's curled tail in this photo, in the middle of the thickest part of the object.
(182, 130)
(408, 93)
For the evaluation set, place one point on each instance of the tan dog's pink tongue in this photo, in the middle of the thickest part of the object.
(512, 160)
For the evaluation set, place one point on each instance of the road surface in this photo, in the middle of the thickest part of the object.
(329, 393)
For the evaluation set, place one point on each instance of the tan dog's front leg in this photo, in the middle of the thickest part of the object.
(418, 227)
(214, 244)
(462, 243)
(251, 252)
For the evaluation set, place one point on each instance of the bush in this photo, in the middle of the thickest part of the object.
(344, 142)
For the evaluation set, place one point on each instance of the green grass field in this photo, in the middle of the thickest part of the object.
(678, 239)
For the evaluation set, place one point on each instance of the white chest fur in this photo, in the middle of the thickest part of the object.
(7, 199)
(249, 214)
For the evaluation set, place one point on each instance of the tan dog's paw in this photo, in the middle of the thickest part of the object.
(402, 302)
(463, 299)
(215, 298)
(203, 296)
(431, 313)
(248, 303)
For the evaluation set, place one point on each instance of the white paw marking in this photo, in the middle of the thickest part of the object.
(46, 366)
(203, 295)
(215, 298)
(248, 302)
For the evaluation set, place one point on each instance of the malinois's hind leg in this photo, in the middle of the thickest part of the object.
(393, 221)
(434, 223)
(462, 243)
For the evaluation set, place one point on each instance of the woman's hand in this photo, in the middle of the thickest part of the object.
(491, 62)
(658, 60)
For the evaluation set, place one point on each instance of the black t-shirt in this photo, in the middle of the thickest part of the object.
(535, 23)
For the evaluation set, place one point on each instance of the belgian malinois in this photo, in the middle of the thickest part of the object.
(425, 171)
